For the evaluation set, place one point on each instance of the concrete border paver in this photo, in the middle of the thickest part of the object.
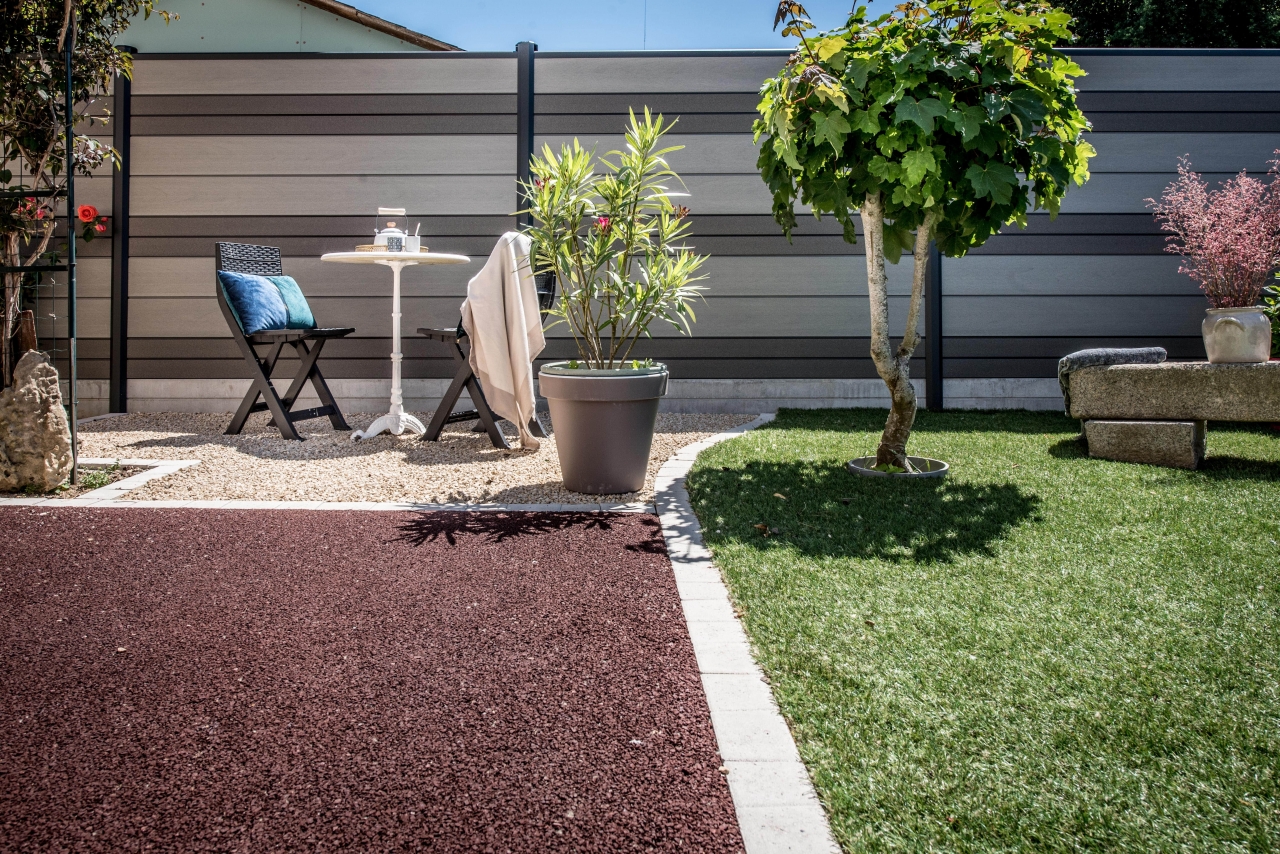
(778, 809)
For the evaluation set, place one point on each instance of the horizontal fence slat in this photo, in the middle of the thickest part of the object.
(1031, 275)
(364, 104)
(1182, 72)
(167, 126)
(420, 73)
(346, 194)
(725, 73)
(1072, 315)
(167, 317)
(484, 154)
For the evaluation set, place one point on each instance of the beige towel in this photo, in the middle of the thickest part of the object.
(501, 318)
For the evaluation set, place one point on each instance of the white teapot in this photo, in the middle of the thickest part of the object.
(387, 232)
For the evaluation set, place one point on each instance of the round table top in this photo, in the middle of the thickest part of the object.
(405, 257)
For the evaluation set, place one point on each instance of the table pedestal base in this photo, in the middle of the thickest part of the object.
(390, 423)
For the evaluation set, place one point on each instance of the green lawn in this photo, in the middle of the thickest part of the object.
(1041, 652)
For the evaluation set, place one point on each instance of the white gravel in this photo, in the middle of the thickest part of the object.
(259, 465)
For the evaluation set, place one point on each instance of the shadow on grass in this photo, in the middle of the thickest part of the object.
(495, 527)
(829, 512)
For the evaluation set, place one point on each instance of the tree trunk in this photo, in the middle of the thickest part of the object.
(12, 285)
(894, 367)
(26, 337)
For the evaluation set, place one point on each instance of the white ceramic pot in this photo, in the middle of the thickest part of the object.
(1236, 336)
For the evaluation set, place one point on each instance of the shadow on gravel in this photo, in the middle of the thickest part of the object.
(492, 527)
(828, 512)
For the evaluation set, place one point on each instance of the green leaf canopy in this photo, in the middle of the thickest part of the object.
(966, 108)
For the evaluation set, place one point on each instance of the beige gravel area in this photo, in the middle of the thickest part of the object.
(258, 465)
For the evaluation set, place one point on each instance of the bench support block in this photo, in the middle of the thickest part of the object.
(1176, 444)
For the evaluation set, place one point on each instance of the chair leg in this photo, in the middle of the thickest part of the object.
(486, 414)
(310, 370)
(262, 386)
(445, 408)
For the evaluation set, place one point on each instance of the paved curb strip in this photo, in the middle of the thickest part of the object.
(778, 809)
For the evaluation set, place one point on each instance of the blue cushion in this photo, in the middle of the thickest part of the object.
(254, 300)
(295, 303)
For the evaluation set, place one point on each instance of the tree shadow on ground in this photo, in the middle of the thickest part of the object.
(830, 512)
(498, 527)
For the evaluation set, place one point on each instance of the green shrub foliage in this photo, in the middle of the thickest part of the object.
(967, 109)
(1175, 23)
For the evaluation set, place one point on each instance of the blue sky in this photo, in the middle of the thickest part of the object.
(604, 24)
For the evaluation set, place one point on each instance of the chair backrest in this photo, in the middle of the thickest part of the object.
(247, 258)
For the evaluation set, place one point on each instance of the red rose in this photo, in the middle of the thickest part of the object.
(100, 227)
(87, 213)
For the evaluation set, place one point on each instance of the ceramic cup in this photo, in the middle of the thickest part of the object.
(412, 243)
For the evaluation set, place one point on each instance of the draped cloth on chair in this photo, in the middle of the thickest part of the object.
(502, 322)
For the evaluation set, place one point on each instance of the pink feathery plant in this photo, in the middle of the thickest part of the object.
(1230, 237)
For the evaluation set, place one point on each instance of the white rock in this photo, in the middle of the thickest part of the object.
(35, 441)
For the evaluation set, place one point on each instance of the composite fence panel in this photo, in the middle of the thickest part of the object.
(299, 153)
(1098, 275)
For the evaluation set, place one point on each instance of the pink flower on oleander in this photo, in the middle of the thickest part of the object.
(539, 183)
(603, 223)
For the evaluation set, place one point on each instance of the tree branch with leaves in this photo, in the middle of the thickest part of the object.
(33, 121)
(939, 122)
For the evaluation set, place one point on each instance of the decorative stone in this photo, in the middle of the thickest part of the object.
(1177, 444)
(1177, 391)
(35, 441)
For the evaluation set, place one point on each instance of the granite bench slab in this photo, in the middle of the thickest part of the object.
(1177, 391)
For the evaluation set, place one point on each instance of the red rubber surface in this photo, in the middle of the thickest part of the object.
(184, 680)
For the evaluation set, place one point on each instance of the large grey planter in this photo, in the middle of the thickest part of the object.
(603, 422)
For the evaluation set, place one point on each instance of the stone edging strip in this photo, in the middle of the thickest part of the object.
(778, 809)
(113, 491)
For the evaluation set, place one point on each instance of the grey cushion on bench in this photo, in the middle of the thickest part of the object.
(1103, 356)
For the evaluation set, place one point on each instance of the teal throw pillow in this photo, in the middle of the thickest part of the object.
(254, 300)
(300, 316)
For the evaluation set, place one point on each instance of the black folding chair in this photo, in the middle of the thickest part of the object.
(265, 261)
(466, 378)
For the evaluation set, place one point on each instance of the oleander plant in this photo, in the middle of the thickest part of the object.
(615, 241)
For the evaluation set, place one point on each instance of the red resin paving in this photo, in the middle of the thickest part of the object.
(186, 680)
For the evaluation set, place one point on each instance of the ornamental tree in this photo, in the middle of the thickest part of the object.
(942, 121)
(33, 119)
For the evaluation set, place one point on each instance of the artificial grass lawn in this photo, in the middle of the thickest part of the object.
(1040, 652)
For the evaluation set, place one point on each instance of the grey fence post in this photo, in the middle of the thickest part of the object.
(122, 114)
(524, 121)
(933, 331)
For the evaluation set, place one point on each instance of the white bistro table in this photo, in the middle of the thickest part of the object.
(396, 420)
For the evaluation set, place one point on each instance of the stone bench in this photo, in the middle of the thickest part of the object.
(1157, 414)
